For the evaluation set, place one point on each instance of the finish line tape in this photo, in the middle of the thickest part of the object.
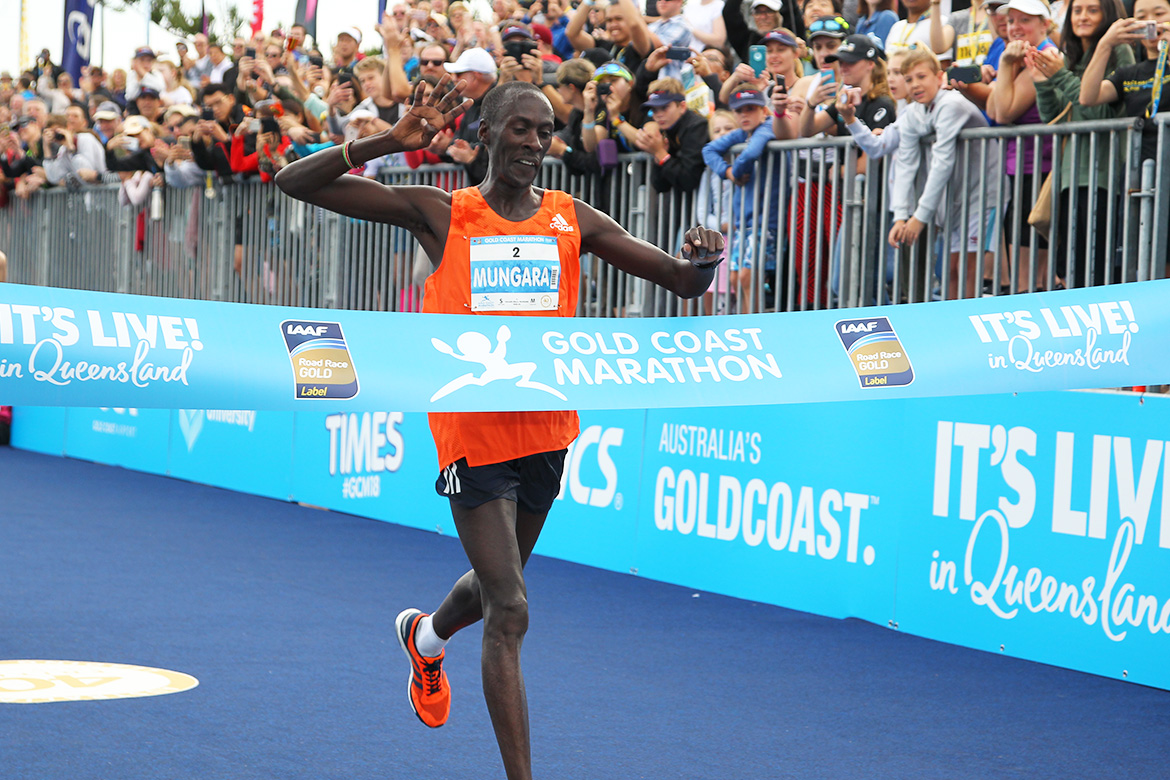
(75, 348)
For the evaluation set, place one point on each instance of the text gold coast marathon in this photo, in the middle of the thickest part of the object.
(735, 354)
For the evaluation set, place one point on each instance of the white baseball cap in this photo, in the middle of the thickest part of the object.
(472, 60)
(135, 124)
(775, 5)
(352, 32)
(1029, 7)
(361, 113)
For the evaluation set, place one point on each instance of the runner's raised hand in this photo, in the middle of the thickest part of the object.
(424, 118)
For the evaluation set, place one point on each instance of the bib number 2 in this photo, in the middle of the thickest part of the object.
(515, 273)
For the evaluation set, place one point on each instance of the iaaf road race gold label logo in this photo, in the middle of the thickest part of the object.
(322, 366)
(36, 682)
(877, 355)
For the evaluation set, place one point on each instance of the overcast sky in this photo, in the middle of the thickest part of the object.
(124, 32)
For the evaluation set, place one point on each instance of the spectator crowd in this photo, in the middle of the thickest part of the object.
(682, 81)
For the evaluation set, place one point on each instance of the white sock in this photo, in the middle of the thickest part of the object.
(426, 640)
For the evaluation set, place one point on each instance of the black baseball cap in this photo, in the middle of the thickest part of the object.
(856, 48)
(664, 97)
(747, 97)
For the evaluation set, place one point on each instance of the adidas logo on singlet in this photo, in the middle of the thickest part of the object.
(561, 224)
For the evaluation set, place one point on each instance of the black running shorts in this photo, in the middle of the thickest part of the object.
(533, 481)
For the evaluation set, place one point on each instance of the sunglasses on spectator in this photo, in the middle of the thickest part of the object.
(431, 63)
(836, 24)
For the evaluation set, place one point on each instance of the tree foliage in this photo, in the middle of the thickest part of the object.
(169, 15)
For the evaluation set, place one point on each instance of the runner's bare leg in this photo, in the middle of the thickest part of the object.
(498, 540)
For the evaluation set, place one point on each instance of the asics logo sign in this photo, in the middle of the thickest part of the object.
(581, 456)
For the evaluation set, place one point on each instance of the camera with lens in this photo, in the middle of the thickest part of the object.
(517, 49)
(56, 143)
(604, 89)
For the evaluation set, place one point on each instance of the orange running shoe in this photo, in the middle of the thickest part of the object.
(429, 691)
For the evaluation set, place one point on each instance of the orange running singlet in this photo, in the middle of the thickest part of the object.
(493, 266)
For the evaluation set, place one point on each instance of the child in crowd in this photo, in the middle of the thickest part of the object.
(751, 113)
(713, 207)
(943, 114)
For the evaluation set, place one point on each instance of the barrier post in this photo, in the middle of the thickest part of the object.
(1145, 196)
(123, 249)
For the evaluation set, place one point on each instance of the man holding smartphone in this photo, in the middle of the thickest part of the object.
(671, 29)
(180, 169)
(212, 138)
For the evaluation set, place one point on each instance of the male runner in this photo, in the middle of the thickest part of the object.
(501, 471)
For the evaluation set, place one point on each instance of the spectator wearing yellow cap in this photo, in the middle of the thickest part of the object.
(610, 110)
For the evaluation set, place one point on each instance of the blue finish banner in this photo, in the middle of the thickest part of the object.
(74, 348)
(1034, 525)
(1039, 527)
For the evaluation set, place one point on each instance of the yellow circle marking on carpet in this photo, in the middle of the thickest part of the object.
(37, 682)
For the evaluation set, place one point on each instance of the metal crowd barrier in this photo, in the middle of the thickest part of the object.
(818, 239)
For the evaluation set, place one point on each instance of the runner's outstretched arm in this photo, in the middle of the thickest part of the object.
(687, 275)
(319, 178)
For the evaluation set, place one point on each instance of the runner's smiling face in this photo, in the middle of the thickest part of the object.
(518, 145)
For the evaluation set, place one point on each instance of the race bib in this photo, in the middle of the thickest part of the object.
(515, 273)
(972, 48)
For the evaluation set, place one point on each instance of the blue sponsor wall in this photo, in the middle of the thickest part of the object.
(1035, 525)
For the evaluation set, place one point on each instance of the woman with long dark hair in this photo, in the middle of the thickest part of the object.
(1057, 76)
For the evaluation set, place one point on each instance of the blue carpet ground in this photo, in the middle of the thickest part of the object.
(285, 616)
